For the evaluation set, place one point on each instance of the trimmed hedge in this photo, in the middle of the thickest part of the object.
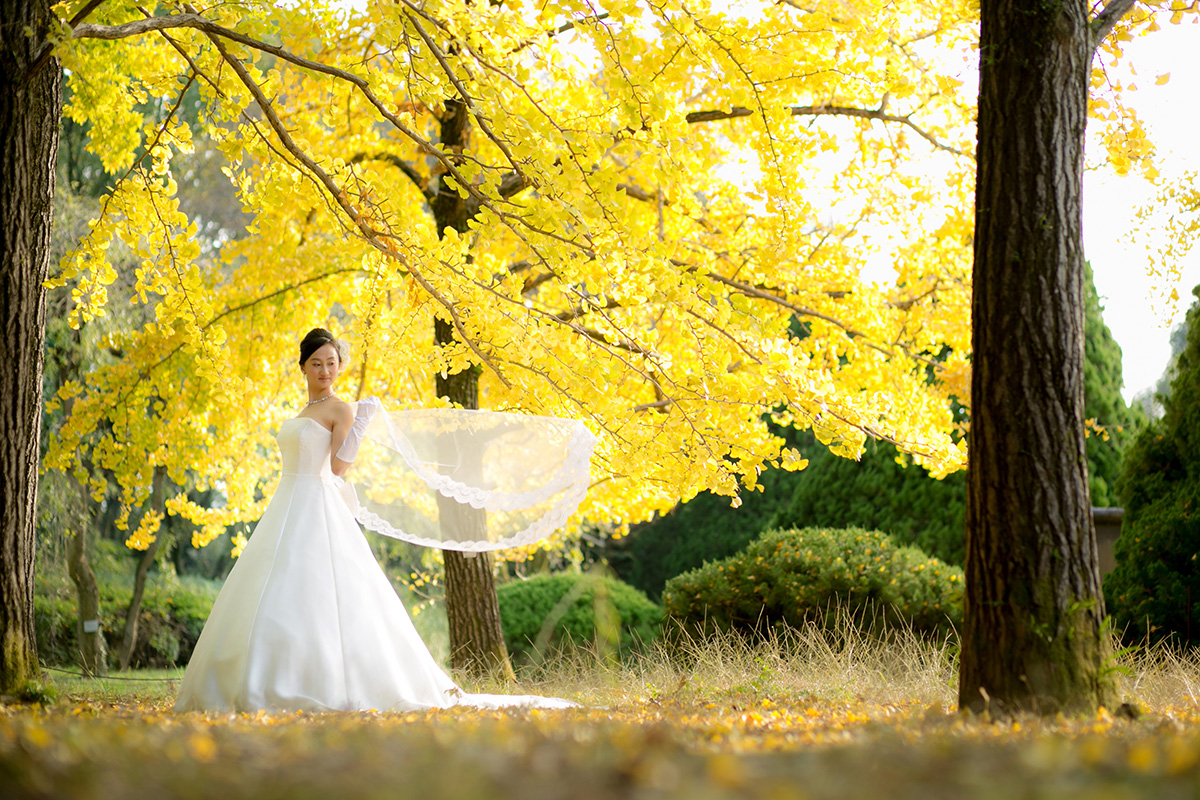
(795, 576)
(577, 607)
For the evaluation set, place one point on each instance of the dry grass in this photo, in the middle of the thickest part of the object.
(840, 664)
(1159, 676)
(803, 714)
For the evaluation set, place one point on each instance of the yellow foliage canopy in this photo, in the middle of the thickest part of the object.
(661, 218)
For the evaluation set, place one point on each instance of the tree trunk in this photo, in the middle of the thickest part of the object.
(473, 611)
(90, 636)
(158, 500)
(472, 608)
(30, 106)
(1032, 638)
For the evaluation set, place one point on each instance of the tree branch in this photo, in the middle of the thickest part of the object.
(580, 310)
(402, 165)
(340, 197)
(879, 114)
(1107, 19)
(566, 26)
(212, 30)
(480, 119)
(48, 50)
(512, 184)
(762, 294)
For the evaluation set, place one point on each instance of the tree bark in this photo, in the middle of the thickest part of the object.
(158, 501)
(90, 636)
(1032, 638)
(93, 652)
(30, 105)
(472, 608)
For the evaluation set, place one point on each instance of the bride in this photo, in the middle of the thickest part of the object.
(307, 620)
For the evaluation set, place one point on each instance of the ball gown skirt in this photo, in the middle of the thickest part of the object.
(307, 619)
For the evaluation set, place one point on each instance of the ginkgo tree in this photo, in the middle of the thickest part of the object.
(1034, 636)
(534, 205)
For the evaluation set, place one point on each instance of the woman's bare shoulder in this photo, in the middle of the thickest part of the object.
(340, 411)
(330, 414)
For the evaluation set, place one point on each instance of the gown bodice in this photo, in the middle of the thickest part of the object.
(304, 445)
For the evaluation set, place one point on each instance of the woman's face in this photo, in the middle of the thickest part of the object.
(321, 368)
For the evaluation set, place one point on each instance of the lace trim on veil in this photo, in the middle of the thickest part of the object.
(568, 483)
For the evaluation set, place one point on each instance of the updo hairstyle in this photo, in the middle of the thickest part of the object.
(317, 338)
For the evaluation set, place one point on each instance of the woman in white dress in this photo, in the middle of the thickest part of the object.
(307, 620)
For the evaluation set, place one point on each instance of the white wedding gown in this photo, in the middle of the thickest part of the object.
(307, 620)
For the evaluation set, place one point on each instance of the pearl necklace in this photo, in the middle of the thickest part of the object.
(319, 400)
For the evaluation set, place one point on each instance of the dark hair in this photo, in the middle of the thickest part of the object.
(314, 340)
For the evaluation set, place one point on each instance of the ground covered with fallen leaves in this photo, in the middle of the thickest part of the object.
(747, 729)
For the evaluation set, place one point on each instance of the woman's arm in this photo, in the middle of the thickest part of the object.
(345, 447)
(342, 422)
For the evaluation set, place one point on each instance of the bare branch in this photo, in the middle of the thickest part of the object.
(512, 184)
(652, 406)
(137, 27)
(566, 26)
(636, 192)
(879, 114)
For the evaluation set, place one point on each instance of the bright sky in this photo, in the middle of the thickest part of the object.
(1137, 310)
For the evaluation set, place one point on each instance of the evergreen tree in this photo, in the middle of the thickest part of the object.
(1154, 590)
(1102, 383)
(875, 492)
(704, 529)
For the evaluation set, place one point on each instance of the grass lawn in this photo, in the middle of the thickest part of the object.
(812, 716)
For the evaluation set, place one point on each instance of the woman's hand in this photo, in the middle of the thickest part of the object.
(347, 450)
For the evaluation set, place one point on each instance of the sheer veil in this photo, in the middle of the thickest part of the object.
(469, 480)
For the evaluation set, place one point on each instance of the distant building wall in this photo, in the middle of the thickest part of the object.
(1108, 528)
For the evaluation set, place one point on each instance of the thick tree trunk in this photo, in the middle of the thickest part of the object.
(29, 111)
(1032, 638)
(158, 501)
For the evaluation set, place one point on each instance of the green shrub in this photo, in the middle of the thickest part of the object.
(795, 576)
(172, 614)
(552, 610)
(1154, 591)
(704, 528)
(875, 492)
